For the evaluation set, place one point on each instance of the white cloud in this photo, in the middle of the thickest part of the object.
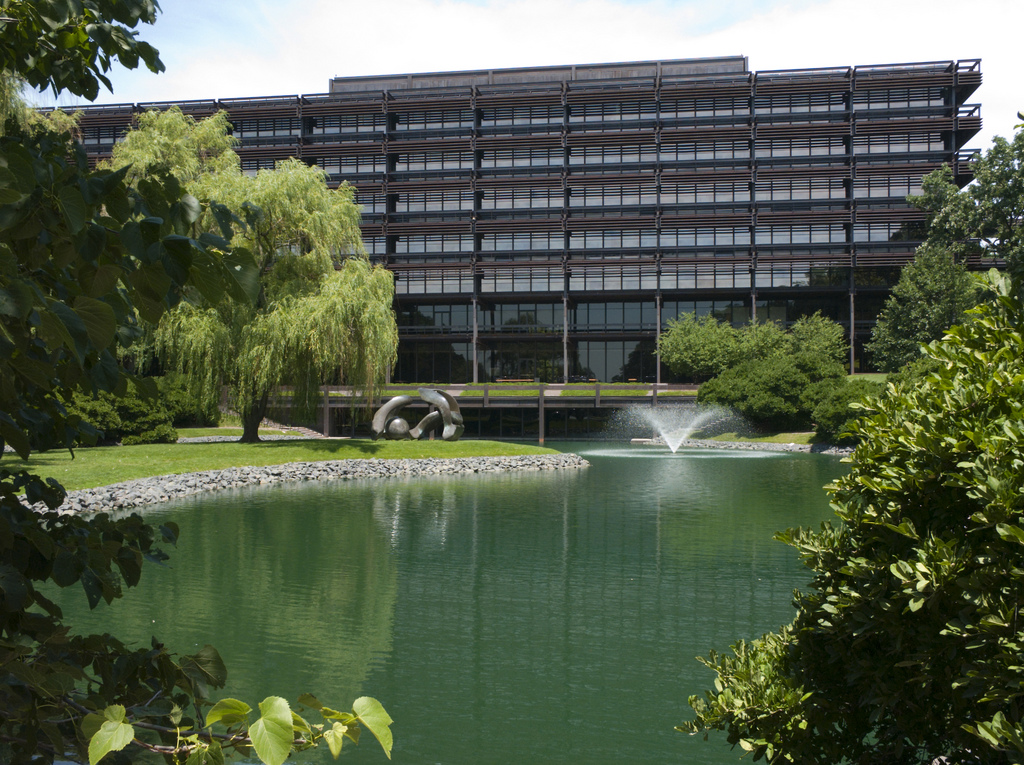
(261, 49)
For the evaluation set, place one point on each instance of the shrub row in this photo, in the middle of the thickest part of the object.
(138, 419)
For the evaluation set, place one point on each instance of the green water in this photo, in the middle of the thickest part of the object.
(523, 618)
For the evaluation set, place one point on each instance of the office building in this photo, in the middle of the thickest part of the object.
(545, 223)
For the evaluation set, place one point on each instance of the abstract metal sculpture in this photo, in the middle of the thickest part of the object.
(387, 424)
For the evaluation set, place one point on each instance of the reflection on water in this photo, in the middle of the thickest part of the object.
(531, 617)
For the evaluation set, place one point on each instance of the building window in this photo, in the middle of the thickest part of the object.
(265, 127)
(689, 151)
(433, 282)
(889, 232)
(736, 312)
(521, 157)
(800, 147)
(596, 155)
(514, 317)
(799, 103)
(612, 239)
(101, 135)
(519, 198)
(521, 115)
(522, 241)
(788, 189)
(898, 98)
(439, 318)
(352, 165)
(898, 143)
(705, 236)
(433, 243)
(614, 195)
(612, 111)
(330, 124)
(371, 203)
(705, 106)
(815, 233)
(375, 245)
(521, 279)
(434, 201)
(434, 160)
(900, 186)
(587, 277)
(434, 120)
(252, 165)
(691, 192)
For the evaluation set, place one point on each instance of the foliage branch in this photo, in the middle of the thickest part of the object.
(906, 647)
(71, 44)
(84, 256)
(986, 219)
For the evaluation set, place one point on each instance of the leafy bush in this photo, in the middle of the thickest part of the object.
(701, 348)
(833, 416)
(766, 392)
(99, 413)
(913, 372)
(775, 393)
(906, 645)
(128, 419)
(185, 409)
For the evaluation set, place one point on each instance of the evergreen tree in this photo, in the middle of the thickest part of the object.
(932, 295)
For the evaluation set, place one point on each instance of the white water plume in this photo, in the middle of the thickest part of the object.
(674, 424)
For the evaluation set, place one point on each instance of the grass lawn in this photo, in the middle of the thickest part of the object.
(878, 377)
(766, 438)
(495, 392)
(229, 432)
(101, 466)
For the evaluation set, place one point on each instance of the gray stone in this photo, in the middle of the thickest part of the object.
(148, 491)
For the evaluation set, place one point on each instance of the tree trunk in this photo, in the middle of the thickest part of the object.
(251, 420)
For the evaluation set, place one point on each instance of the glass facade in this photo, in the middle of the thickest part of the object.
(548, 223)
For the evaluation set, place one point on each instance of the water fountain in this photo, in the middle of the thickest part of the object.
(674, 425)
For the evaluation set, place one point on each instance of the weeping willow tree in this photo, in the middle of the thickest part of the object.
(323, 313)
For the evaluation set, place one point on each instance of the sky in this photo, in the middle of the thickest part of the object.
(244, 48)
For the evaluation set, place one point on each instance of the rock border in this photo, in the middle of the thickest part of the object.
(840, 451)
(157, 489)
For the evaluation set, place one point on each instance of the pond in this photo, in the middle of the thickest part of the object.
(525, 617)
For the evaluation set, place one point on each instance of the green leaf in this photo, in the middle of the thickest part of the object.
(205, 667)
(243, 275)
(206, 754)
(300, 726)
(311, 701)
(334, 738)
(62, 326)
(271, 735)
(207, 276)
(73, 207)
(1006, 531)
(16, 299)
(371, 714)
(214, 754)
(98, 318)
(15, 588)
(91, 724)
(113, 736)
(228, 712)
